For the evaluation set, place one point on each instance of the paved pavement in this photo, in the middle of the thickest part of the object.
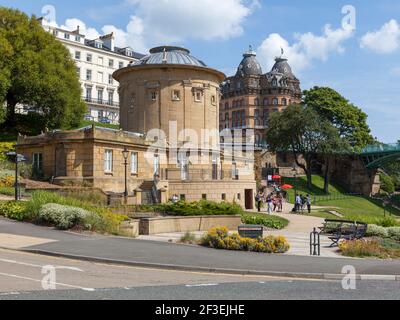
(174, 256)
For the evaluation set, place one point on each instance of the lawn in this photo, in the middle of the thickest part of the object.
(351, 207)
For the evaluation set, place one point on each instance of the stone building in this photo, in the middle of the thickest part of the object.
(169, 119)
(249, 97)
(96, 60)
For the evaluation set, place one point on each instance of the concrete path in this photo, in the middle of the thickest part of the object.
(190, 258)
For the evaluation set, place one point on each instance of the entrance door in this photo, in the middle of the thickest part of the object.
(249, 201)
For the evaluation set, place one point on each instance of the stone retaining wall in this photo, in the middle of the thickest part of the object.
(150, 226)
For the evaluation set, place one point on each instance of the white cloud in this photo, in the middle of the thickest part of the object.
(395, 72)
(383, 41)
(307, 47)
(158, 22)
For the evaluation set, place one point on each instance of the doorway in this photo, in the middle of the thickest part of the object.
(249, 201)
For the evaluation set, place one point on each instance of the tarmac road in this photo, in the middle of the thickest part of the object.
(21, 278)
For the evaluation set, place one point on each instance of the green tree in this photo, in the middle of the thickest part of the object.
(40, 72)
(302, 131)
(350, 120)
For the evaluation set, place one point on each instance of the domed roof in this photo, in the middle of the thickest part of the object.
(170, 55)
(282, 67)
(249, 65)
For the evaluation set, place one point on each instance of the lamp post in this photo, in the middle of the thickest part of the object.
(125, 154)
(18, 158)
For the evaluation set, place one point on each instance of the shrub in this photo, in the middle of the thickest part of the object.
(371, 248)
(202, 207)
(377, 231)
(379, 221)
(63, 217)
(394, 233)
(4, 148)
(7, 181)
(104, 221)
(272, 222)
(15, 211)
(219, 238)
(188, 238)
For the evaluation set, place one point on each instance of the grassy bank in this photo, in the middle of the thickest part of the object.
(351, 207)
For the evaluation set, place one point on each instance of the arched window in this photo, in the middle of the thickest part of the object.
(256, 102)
(275, 101)
(284, 102)
(266, 102)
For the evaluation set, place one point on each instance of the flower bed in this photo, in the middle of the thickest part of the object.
(271, 222)
(377, 248)
(219, 238)
(199, 208)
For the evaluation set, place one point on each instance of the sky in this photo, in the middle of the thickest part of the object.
(353, 47)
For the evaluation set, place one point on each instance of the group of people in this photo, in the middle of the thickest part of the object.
(273, 201)
(301, 202)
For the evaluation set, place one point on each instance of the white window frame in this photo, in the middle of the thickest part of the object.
(89, 75)
(89, 57)
(108, 161)
(176, 95)
(37, 161)
(78, 55)
(134, 162)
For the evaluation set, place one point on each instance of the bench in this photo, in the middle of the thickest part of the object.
(338, 230)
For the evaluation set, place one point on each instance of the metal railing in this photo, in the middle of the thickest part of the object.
(390, 147)
(101, 102)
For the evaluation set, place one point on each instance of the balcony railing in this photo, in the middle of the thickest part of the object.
(198, 175)
(101, 102)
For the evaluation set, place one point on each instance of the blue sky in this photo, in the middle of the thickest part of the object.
(362, 63)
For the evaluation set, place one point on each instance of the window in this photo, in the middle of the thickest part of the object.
(77, 55)
(153, 95)
(224, 197)
(239, 196)
(266, 102)
(213, 100)
(227, 106)
(37, 163)
(256, 102)
(284, 102)
(110, 97)
(88, 93)
(235, 172)
(98, 45)
(111, 63)
(110, 79)
(78, 72)
(108, 161)
(77, 38)
(197, 96)
(66, 36)
(100, 95)
(121, 65)
(275, 102)
(204, 196)
(176, 95)
(89, 57)
(89, 75)
(134, 163)
(55, 33)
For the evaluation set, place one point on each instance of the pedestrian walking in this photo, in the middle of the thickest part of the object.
(259, 200)
(309, 203)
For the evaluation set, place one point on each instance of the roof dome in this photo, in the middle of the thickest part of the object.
(170, 55)
(249, 65)
(282, 66)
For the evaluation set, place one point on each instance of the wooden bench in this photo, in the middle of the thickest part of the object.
(338, 230)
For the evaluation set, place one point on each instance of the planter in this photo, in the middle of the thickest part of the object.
(150, 226)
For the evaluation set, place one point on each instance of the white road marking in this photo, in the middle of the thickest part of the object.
(9, 275)
(202, 285)
(40, 266)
